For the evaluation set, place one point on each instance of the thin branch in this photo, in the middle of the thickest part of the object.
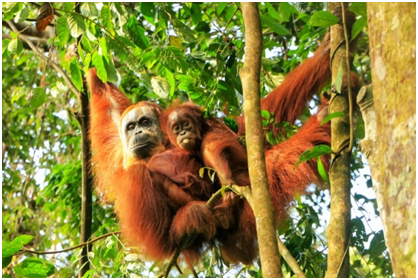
(68, 249)
(28, 30)
(287, 256)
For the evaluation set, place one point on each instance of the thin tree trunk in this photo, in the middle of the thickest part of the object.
(392, 40)
(87, 176)
(338, 231)
(263, 207)
(87, 185)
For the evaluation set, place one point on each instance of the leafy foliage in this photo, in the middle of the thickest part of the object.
(158, 52)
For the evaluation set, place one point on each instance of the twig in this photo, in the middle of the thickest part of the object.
(173, 260)
(350, 97)
(287, 256)
(68, 249)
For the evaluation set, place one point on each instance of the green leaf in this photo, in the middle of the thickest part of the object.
(63, 31)
(77, 25)
(100, 67)
(313, 153)
(184, 32)
(285, 11)
(358, 27)
(34, 268)
(359, 8)
(185, 83)
(332, 116)
(253, 273)
(5, 262)
(148, 10)
(196, 12)
(339, 79)
(5, 45)
(170, 78)
(321, 170)
(137, 33)
(272, 11)
(68, 6)
(230, 11)
(232, 124)
(175, 60)
(38, 98)
(86, 44)
(112, 75)
(89, 273)
(323, 19)
(22, 14)
(106, 17)
(160, 86)
(202, 26)
(265, 114)
(271, 139)
(274, 25)
(86, 62)
(76, 76)
(10, 9)
(377, 245)
(89, 9)
(226, 92)
(15, 46)
(220, 7)
(103, 46)
(9, 248)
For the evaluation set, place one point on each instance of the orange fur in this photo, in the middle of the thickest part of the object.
(289, 99)
(107, 104)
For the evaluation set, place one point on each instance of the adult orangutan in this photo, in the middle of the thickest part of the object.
(155, 214)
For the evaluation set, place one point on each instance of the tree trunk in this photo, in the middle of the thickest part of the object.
(338, 231)
(263, 207)
(392, 38)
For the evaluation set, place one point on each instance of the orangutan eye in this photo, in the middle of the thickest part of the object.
(130, 126)
(145, 123)
(186, 124)
(176, 128)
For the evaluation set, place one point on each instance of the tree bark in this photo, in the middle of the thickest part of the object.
(338, 231)
(263, 207)
(392, 39)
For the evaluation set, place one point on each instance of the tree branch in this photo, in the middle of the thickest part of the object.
(263, 206)
(338, 230)
(68, 249)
